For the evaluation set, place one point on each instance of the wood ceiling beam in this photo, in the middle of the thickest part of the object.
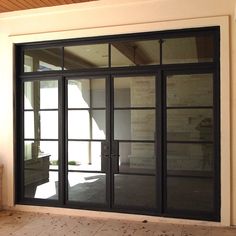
(46, 55)
(73, 61)
(51, 56)
(134, 54)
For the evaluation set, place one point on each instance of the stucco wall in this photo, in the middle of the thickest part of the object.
(108, 17)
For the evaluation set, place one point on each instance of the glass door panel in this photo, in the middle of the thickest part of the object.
(86, 112)
(190, 138)
(134, 137)
(41, 139)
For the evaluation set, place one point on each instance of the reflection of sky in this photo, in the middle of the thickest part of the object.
(80, 125)
(47, 190)
(79, 178)
(76, 98)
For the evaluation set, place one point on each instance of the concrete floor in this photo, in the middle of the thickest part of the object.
(24, 223)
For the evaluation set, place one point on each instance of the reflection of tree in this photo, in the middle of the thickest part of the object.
(205, 133)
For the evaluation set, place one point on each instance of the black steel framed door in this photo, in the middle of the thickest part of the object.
(87, 118)
(134, 142)
(142, 143)
(111, 148)
(191, 142)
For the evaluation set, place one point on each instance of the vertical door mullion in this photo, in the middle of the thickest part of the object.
(159, 142)
(109, 131)
(109, 118)
(112, 190)
(164, 142)
(20, 167)
(66, 140)
(19, 100)
(62, 140)
(217, 126)
(216, 142)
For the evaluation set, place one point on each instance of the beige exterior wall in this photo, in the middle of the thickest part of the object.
(108, 17)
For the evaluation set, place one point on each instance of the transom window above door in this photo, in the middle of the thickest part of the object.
(123, 53)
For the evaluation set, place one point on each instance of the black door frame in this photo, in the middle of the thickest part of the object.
(110, 140)
(159, 70)
(120, 208)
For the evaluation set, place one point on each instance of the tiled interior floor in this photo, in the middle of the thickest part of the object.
(25, 223)
(196, 193)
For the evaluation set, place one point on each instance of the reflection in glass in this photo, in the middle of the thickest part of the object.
(86, 56)
(135, 190)
(31, 125)
(41, 94)
(84, 156)
(39, 181)
(137, 157)
(135, 53)
(49, 124)
(43, 59)
(188, 49)
(86, 93)
(134, 91)
(189, 125)
(197, 194)
(190, 90)
(189, 157)
(49, 94)
(134, 124)
(86, 124)
(42, 124)
(87, 187)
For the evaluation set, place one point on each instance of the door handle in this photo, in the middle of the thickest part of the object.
(105, 152)
(115, 157)
(110, 155)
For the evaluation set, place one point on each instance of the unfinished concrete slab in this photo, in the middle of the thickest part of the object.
(40, 224)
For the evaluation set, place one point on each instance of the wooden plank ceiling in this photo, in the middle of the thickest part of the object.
(16, 5)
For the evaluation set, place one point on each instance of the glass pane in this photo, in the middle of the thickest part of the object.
(134, 124)
(43, 59)
(87, 187)
(39, 181)
(134, 91)
(190, 157)
(49, 124)
(135, 190)
(189, 125)
(195, 194)
(84, 156)
(31, 125)
(135, 53)
(190, 90)
(41, 94)
(42, 124)
(86, 124)
(188, 49)
(137, 157)
(48, 94)
(86, 93)
(86, 56)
